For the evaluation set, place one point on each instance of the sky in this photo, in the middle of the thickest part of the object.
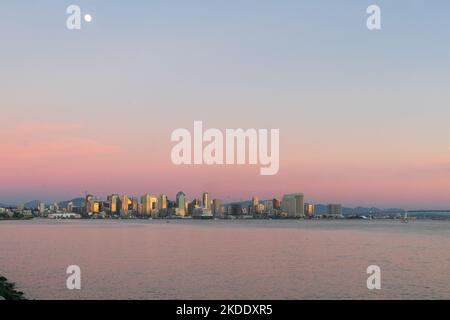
(363, 115)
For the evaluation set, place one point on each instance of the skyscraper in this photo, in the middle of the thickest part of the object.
(292, 205)
(206, 200)
(235, 209)
(217, 207)
(335, 210)
(309, 210)
(41, 208)
(162, 203)
(180, 209)
(276, 204)
(69, 206)
(89, 204)
(134, 205)
(255, 202)
(268, 205)
(255, 205)
(96, 206)
(194, 204)
(113, 203)
(149, 204)
(125, 204)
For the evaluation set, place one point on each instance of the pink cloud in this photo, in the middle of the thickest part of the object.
(73, 147)
(38, 128)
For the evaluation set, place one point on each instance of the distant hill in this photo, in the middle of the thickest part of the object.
(77, 202)
(32, 204)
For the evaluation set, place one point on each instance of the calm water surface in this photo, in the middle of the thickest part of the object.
(227, 259)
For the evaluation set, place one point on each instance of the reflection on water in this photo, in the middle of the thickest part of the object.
(227, 259)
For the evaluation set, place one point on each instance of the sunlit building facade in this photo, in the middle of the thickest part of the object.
(162, 203)
(217, 207)
(292, 205)
(180, 209)
(206, 201)
(309, 210)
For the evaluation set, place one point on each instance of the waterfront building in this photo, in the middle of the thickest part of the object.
(268, 205)
(96, 207)
(163, 202)
(89, 203)
(276, 204)
(41, 208)
(54, 207)
(69, 206)
(255, 201)
(202, 213)
(259, 208)
(217, 207)
(135, 204)
(309, 210)
(206, 200)
(180, 209)
(124, 204)
(113, 201)
(149, 204)
(334, 210)
(235, 209)
(292, 205)
(194, 204)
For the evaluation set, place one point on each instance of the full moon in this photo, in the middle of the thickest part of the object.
(88, 18)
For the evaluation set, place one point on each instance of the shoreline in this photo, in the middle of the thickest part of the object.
(349, 218)
(8, 291)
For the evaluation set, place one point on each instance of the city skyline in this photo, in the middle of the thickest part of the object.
(291, 206)
(200, 198)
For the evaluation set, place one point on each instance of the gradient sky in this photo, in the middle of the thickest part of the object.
(363, 116)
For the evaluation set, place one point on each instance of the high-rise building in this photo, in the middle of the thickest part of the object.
(235, 209)
(255, 202)
(276, 204)
(125, 204)
(194, 204)
(292, 205)
(206, 201)
(134, 204)
(149, 204)
(54, 207)
(96, 207)
(69, 206)
(180, 209)
(254, 207)
(217, 207)
(309, 210)
(41, 208)
(268, 205)
(89, 204)
(162, 203)
(113, 203)
(259, 208)
(335, 209)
